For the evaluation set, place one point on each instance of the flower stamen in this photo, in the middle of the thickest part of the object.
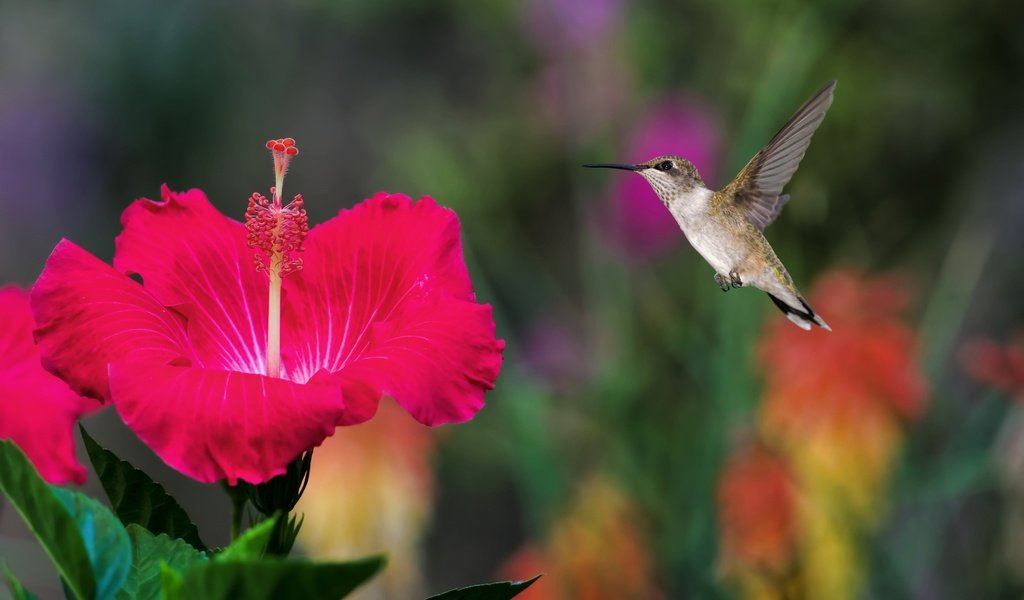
(276, 232)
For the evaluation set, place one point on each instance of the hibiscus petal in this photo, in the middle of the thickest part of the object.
(37, 410)
(195, 259)
(436, 358)
(384, 298)
(213, 425)
(88, 315)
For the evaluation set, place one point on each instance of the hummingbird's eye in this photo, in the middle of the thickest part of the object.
(664, 166)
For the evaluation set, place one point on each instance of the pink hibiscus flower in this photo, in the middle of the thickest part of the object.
(37, 410)
(230, 369)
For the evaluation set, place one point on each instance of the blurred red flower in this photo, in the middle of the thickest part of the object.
(37, 410)
(382, 305)
(1001, 367)
(998, 365)
(756, 506)
(866, 364)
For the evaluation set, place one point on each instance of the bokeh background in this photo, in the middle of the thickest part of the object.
(649, 436)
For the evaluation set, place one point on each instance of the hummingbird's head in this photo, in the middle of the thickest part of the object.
(668, 175)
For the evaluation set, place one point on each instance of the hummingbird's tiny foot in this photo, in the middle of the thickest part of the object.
(734, 279)
(723, 282)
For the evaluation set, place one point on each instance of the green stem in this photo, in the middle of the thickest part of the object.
(239, 498)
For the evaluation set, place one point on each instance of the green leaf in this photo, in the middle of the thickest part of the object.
(46, 516)
(106, 541)
(150, 554)
(138, 499)
(170, 582)
(274, 578)
(502, 590)
(250, 544)
(18, 591)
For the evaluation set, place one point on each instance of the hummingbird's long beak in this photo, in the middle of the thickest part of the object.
(622, 166)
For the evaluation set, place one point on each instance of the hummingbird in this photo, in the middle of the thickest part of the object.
(725, 226)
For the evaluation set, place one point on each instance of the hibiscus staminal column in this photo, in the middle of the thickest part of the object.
(276, 231)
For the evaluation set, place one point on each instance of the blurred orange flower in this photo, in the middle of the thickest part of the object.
(370, 491)
(835, 404)
(596, 551)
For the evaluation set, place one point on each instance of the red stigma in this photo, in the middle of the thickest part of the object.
(283, 150)
(285, 145)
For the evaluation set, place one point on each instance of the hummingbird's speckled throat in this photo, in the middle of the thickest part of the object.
(726, 226)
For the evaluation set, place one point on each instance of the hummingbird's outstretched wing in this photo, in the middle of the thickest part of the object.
(756, 189)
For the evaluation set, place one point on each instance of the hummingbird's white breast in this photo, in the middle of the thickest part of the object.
(709, 235)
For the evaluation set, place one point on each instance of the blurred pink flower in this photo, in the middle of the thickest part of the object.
(37, 410)
(557, 23)
(581, 82)
(579, 98)
(638, 221)
(554, 352)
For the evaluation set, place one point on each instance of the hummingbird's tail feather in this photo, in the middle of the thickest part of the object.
(803, 316)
